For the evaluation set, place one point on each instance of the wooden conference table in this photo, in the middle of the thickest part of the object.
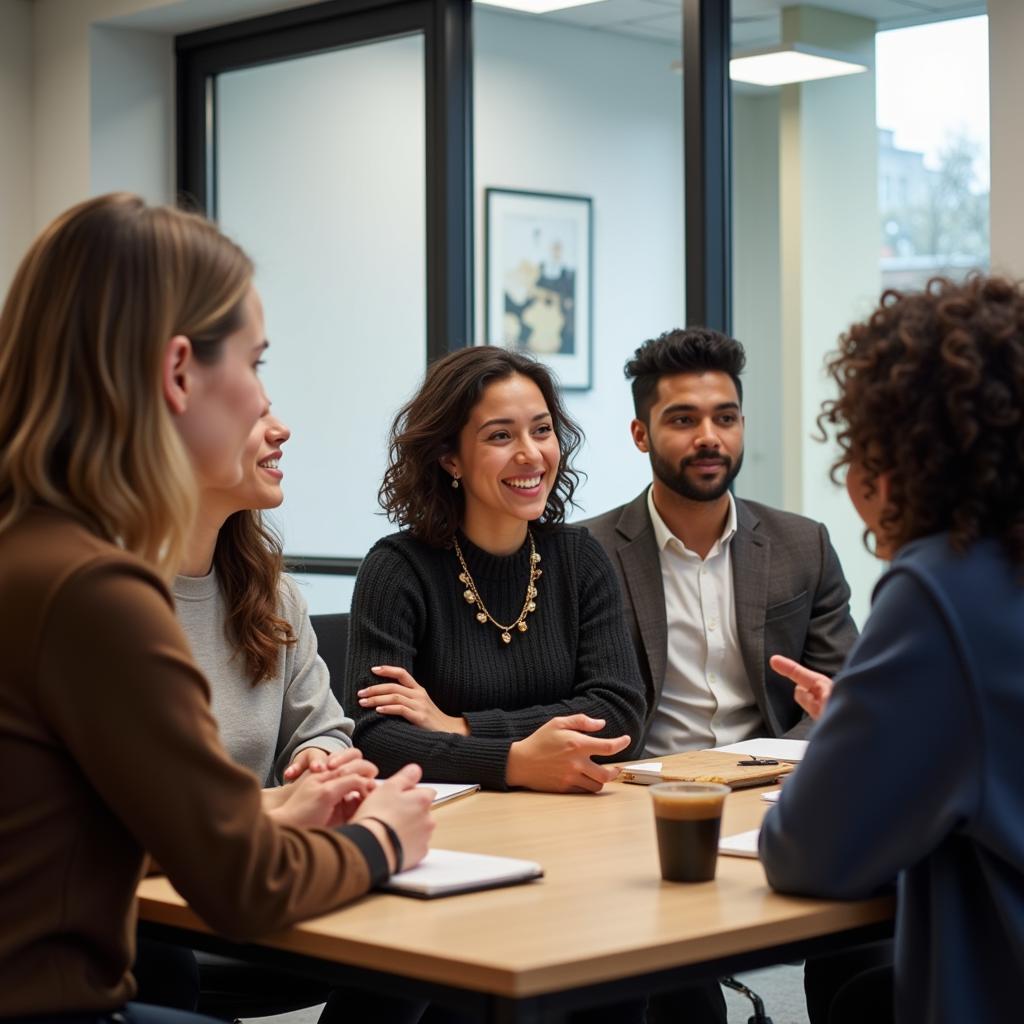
(601, 926)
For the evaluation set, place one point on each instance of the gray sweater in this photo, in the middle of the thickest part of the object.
(263, 726)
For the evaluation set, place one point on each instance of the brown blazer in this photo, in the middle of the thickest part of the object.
(108, 749)
(791, 598)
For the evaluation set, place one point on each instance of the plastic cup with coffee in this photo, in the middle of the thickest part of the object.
(688, 818)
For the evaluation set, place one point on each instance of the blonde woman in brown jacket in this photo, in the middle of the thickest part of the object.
(129, 343)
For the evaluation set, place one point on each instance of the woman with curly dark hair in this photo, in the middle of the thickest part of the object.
(487, 640)
(914, 772)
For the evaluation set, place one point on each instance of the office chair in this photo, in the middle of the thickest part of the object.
(332, 645)
(759, 1017)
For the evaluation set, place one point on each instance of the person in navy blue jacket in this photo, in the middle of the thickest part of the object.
(914, 772)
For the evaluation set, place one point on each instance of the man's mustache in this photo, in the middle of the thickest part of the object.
(706, 460)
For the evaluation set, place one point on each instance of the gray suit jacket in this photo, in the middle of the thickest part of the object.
(791, 598)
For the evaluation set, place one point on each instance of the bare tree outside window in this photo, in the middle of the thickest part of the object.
(933, 198)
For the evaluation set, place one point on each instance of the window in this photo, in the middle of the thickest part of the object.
(933, 133)
(841, 186)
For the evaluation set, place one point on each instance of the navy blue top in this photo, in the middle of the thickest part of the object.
(916, 772)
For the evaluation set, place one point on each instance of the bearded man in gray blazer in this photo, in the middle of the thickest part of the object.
(714, 585)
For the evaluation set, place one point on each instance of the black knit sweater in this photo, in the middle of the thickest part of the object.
(408, 610)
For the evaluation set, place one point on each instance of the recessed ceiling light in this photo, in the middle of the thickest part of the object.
(537, 6)
(789, 63)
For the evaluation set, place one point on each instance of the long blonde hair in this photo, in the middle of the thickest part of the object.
(84, 427)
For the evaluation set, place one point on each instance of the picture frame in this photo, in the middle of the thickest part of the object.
(538, 279)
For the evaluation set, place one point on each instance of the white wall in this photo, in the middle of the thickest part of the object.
(64, 73)
(562, 109)
(131, 91)
(757, 312)
(1006, 111)
(16, 227)
(62, 83)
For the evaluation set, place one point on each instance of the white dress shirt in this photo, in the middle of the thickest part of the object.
(706, 700)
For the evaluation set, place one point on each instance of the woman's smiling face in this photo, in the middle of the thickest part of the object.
(262, 476)
(508, 454)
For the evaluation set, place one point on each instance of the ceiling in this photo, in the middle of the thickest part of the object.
(754, 22)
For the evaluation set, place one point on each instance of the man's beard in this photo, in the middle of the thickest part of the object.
(676, 479)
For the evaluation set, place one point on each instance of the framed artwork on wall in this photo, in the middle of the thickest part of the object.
(537, 279)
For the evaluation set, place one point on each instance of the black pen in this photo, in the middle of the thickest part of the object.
(756, 762)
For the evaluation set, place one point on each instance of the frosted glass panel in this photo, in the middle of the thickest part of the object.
(326, 595)
(320, 176)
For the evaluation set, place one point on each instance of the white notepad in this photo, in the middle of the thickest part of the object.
(742, 844)
(446, 872)
(646, 774)
(790, 751)
(445, 791)
(771, 797)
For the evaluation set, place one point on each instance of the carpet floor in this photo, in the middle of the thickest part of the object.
(781, 988)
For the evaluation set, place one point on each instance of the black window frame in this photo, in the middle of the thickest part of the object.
(446, 27)
(707, 131)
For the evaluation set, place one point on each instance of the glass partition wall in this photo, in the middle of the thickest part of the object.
(578, 158)
(836, 183)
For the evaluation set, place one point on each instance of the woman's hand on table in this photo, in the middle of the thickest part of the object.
(812, 688)
(556, 758)
(323, 799)
(405, 697)
(406, 809)
(309, 759)
(313, 759)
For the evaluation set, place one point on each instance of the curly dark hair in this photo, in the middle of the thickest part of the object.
(931, 392)
(416, 492)
(689, 350)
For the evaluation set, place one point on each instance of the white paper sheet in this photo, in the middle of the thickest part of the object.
(742, 844)
(791, 751)
(445, 791)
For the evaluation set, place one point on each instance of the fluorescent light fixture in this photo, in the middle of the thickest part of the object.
(791, 62)
(537, 6)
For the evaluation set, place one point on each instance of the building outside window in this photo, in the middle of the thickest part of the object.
(933, 174)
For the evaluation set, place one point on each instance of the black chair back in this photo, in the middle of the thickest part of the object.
(332, 645)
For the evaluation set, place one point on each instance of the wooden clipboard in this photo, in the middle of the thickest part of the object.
(708, 766)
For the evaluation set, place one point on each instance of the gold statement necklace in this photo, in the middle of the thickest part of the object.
(472, 595)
